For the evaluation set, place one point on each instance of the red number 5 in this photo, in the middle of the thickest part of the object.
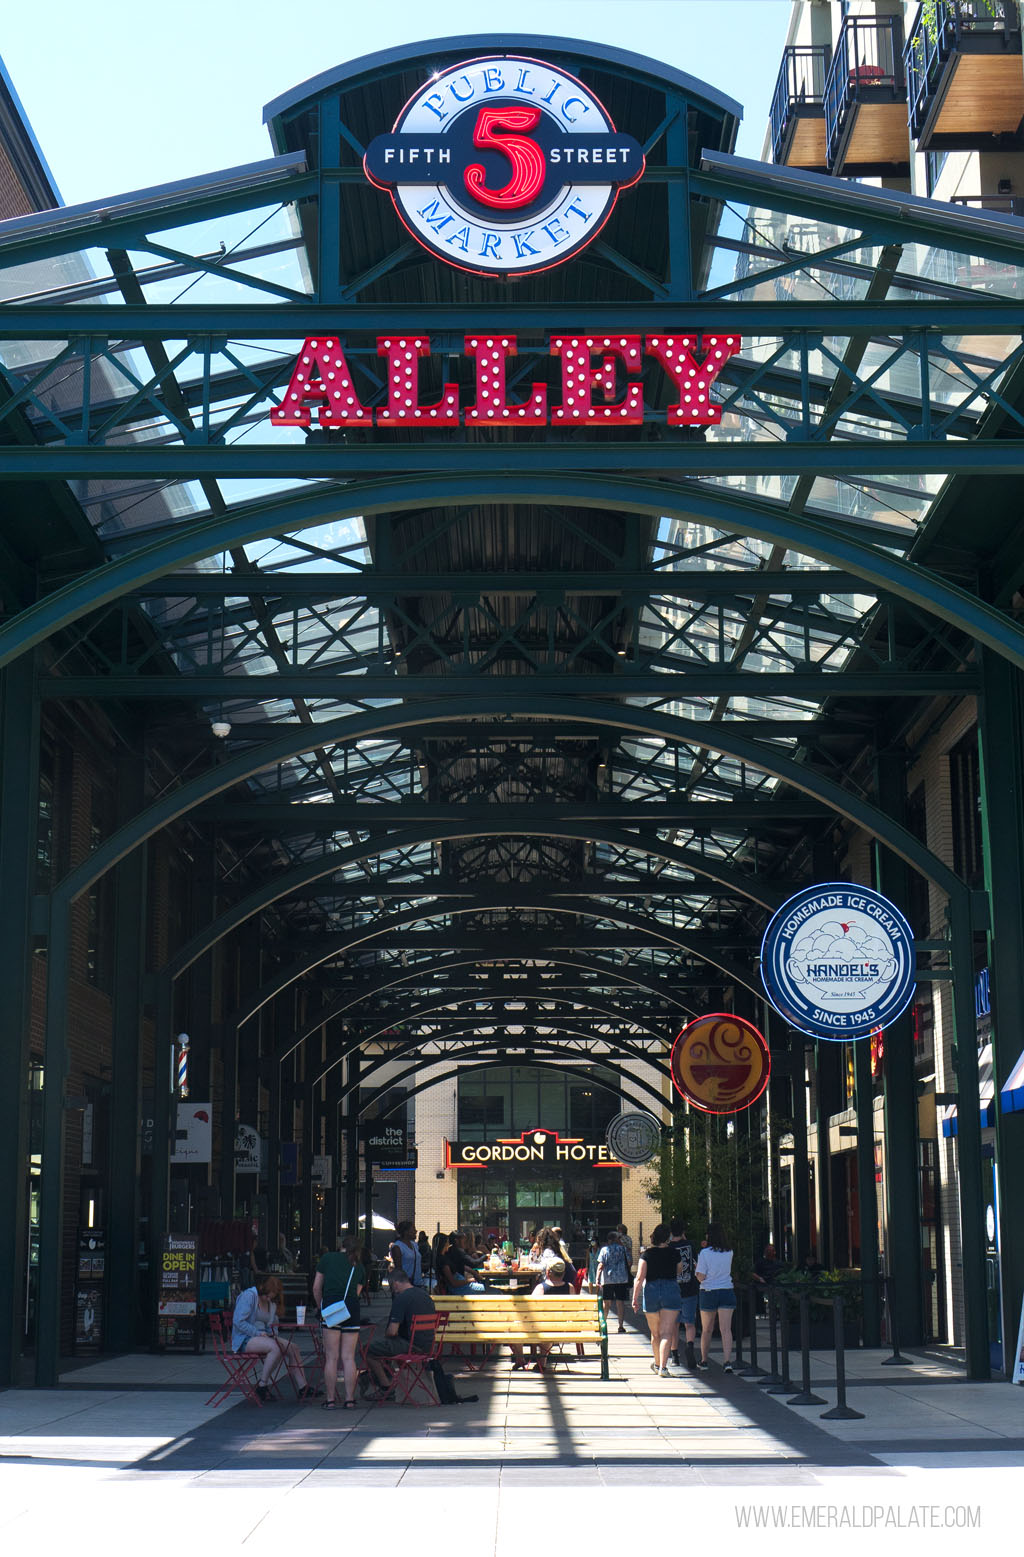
(526, 157)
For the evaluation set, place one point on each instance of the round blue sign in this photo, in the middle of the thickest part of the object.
(837, 960)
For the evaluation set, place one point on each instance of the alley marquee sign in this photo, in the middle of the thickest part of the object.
(542, 1146)
(601, 382)
(504, 165)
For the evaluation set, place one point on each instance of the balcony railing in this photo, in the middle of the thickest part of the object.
(942, 35)
(1009, 205)
(799, 96)
(866, 71)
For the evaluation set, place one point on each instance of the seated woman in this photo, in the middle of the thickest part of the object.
(554, 1284)
(254, 1332)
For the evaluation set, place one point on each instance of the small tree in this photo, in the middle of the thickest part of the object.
(702, 1174)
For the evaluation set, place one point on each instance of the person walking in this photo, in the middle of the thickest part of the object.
(689, 1290)
(717, 1294)
(657, 1281)
(426, 1259)
(613, 1277)
(254, 1333)
(340, 1278)
(627, 1243)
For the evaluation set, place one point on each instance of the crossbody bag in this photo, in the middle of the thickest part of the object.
(336, 1314)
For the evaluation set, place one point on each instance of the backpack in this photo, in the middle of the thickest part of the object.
(447, 1394)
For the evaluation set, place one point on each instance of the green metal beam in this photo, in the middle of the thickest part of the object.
(285, 321)
(267, 816)
(624, 717)
(878, 568)
(691, 680)
(674, 459)
(313, 871)
(382, 587)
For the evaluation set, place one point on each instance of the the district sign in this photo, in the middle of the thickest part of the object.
(837, 961)
(720, 1063)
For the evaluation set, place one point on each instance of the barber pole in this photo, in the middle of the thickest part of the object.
(183, 1045)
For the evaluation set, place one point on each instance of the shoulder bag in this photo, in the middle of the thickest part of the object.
(336, 1314)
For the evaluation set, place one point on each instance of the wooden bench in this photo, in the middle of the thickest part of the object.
(522, 1320)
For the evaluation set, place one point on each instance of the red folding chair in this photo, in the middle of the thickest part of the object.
(243, 1372)
(411, 1368)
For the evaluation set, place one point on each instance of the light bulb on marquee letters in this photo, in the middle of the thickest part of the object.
(693, 380)
(580, 377)
(491, 353)
(331, 393)
(403, 353)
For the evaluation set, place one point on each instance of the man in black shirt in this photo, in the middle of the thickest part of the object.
(689, 1289)
(406, 1302)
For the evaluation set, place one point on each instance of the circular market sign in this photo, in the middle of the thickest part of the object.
(720, 1063)
(504, 165)
(838, 960)
(633, 1137)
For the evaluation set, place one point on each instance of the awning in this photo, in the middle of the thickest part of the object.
(986, 1096)
(1011, 1097)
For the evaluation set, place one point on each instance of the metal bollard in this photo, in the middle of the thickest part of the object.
(773, 1376)
(895, 1361)
(805, 1396)
(784, 1384)
(751, 1370)
(840, 1412)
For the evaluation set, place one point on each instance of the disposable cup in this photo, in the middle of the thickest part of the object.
(300, 1313)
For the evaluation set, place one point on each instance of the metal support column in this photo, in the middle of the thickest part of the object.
(902, 1154)
(122, 1328)
(1002, 814)
(51, 1209)
(972, 1200)
(351, 1184)
(867, 1197)
(19, 769)
(164, 1121)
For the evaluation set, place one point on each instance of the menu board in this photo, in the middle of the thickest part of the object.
(89, 1291)
(177, 1293)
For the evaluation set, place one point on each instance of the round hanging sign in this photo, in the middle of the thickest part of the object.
(504, 165)
(633, 1138)
(837, 961)
(720, 1063)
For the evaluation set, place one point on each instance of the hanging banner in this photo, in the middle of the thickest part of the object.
(247, 1149)
(720, 1063)
(837, 961)
(193, 1137)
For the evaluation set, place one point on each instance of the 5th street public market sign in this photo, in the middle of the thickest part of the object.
(504, 165)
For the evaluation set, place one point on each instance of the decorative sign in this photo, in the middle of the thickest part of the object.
(193, 1136)
(720, 1063)
(384, 1142)
(838, 960)
(247, 1149)
(633, 1137)
(539, 1145)
(321, 1174)
(177, 1293)
(504, 165)
(601, 382)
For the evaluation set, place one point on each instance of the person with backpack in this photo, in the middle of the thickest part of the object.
(689, 1289)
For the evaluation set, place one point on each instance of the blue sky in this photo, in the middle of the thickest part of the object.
(121, 96)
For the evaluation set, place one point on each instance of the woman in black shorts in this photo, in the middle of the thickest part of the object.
(340, 1278)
